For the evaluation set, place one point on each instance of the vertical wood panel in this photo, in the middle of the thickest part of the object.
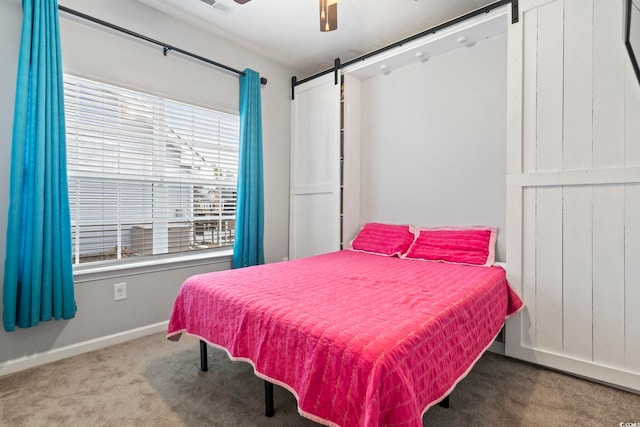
(514, 332)
(576, 272)
(548, 214)
(577, 147)
(608, 275)
(516, 327)
(632, 277)
(550, 84)
(529, 317)
(549, 269)
(608, 84)
(514, 95)
(529, 89)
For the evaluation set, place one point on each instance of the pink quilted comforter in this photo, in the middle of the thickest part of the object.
(360, 339)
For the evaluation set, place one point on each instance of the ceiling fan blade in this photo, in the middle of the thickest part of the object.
(328, 15)
(242, 1)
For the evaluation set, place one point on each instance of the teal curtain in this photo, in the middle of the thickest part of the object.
(38, 274)
(248, 248)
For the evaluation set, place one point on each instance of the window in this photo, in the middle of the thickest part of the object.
(147, 175)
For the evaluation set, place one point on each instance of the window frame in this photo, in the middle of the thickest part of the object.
(89, 271)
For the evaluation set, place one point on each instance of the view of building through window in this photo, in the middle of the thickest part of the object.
(147, 175)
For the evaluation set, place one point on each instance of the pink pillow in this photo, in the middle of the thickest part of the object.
(468, 245)
(383, 239)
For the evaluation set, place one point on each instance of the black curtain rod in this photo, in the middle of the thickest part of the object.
(432, 30)
(166, 47)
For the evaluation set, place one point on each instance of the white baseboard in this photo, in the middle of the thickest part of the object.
(39, 359)
(615, 377)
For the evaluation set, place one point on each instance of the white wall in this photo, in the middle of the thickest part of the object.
(433, 141)
(97, 53)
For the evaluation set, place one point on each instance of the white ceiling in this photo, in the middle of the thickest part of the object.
(288, 31)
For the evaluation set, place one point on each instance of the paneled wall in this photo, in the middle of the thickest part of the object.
(573, 194)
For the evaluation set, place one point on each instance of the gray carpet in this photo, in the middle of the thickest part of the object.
(153, 382)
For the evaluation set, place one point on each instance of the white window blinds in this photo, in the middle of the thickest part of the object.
(147, 175)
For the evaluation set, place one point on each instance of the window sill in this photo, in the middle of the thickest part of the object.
(88, 274)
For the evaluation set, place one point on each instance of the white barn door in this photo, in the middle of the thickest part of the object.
(315, 168)
(573, 190)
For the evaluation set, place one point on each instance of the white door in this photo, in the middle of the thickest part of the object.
(573, 191)
(314, 223)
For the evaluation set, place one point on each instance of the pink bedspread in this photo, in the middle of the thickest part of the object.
(360, 339)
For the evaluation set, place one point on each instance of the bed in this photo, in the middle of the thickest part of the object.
(360, 339)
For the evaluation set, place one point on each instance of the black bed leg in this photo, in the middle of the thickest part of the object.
(203, 356)
(444, 402)
(268, 399)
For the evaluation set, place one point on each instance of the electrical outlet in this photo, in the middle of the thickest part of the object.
(119, 291)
